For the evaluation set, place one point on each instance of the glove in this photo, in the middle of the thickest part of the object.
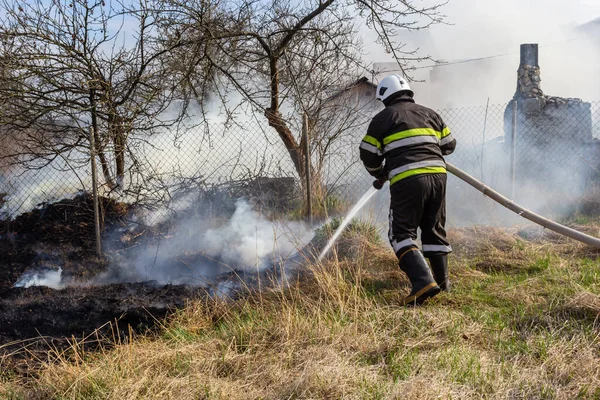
(381, 179)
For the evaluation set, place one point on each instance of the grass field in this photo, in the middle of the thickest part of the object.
(521, 323)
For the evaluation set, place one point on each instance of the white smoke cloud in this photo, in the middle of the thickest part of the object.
(201, 248)
(248, 238)
(49, 278)
(569, 57)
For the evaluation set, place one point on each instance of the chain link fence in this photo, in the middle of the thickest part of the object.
(547, 158)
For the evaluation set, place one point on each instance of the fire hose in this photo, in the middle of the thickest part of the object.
(523, 212)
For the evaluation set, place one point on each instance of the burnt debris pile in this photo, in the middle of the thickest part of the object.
(56, 235)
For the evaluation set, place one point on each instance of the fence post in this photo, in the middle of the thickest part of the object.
(95, 194)
(487, 106)
(307, 168)
(513, 150)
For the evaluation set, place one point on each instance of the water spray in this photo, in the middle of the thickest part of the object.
(363, 200)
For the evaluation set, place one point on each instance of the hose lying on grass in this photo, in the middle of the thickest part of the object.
(523, 212)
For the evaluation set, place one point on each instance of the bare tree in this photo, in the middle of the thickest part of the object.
(69, 66)
(336, 126)
(287, 58)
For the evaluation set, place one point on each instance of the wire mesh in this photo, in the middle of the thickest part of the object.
(555, 160)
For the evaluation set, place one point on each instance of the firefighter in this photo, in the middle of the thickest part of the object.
(405, 144)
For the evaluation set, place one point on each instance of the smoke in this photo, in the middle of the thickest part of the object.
(245, 240)
(492, 32)
(197, 251)
(46, 277)
(200, 249)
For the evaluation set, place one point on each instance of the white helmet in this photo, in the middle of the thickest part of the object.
(390, 85)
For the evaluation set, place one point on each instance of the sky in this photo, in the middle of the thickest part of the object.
(496, 26)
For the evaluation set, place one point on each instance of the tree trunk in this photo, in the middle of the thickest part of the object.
(118, 134)
(297, 155)
(294, 149)
(120, 142)
(103, 161)
(97, 143)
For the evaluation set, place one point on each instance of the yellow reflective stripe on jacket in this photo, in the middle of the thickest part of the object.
(373, 141)
(410, 133)
(445, 132)
(417, 171)
(415, 165)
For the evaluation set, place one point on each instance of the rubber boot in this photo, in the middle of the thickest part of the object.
(423, 285)
(439, 267)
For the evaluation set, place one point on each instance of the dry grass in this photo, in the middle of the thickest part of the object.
(521, 323)
(585, 302)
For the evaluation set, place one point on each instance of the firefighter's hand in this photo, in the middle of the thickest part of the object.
(380, 179)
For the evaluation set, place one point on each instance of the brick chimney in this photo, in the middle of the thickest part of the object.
(549, 131)
(528, 74)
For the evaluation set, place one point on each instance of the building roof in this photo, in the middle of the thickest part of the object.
(366, 80)
(591, 25)
(361, 81)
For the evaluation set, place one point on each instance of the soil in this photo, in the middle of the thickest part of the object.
(76, 311)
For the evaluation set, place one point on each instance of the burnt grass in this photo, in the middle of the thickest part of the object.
(61, 235)
(39, 319)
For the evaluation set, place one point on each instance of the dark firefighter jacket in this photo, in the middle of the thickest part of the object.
(412, 140)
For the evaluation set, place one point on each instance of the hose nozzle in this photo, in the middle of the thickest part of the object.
(377, 184)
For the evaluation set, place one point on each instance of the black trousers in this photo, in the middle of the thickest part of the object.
(419, 202)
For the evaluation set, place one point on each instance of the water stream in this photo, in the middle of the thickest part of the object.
(363, 200)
